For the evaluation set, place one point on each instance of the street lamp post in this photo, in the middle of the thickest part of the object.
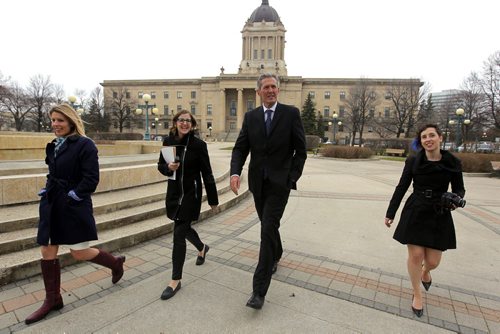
(156, 126)
(459, 112)
(334, 123)
(210, 131)
(154, 111)
(78, 107)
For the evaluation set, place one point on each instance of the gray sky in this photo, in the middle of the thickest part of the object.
(80, 43)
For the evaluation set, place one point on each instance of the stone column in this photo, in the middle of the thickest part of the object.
(221, 119)
(239, 111)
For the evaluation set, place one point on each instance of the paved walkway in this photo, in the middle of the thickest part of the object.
(341, 270)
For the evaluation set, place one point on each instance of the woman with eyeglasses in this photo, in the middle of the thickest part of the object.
(183, 200)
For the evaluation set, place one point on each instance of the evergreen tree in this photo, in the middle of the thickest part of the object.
(320, 127)
(309, 117)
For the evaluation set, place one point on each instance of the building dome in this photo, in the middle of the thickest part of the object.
(264, 13)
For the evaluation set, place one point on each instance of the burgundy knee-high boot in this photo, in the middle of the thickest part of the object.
(51, 272)
(114, 263)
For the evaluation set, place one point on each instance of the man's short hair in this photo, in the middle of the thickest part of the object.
(265, 76)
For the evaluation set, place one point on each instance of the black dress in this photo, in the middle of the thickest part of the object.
(423, 221)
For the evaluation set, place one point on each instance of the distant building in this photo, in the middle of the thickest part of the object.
(220, 102)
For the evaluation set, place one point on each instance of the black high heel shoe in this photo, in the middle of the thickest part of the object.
(427, 285)
(418, 312)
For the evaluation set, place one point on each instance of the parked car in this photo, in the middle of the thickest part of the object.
(485, 147)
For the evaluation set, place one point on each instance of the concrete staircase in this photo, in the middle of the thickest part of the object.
(124, 218)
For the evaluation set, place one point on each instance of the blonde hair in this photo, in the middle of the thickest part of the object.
(76, 123)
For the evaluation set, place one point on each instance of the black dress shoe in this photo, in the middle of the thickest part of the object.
(256, 301)
(275, 267)
(169, 292)
(427, 285)
(418, 312)
(201, 259)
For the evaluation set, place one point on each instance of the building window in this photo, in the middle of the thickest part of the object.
(139, 95)
(313, 94)
(179, 94)
(372, 112)
(165, 125)
(262, 54)
(341, 112)
(193, 94)
(388, 96)
(153, 95)
(232, 125)
(209, 125)
(255, 54)
(165, 94)
(326, 111)
(342, 95)
(193, 109)
(115, 95)
(387, 112)
(270, 54)
(250, 105)
(209, 109)
(127, 96)
(179, 107)
(232, 108)
(327, 95)
(165, 110)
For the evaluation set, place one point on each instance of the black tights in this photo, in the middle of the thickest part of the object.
(183, 231)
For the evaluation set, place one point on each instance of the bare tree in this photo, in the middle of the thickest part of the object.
(15, 101)
(122, 107)
(59, 94)
(406, 98)
(473, 103)
(40, 93)
(490, 87)
(361, 99)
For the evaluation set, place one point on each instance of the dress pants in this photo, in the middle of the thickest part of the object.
(183, 231)
(270, 205)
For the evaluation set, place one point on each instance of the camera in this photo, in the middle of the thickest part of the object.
(452, 200)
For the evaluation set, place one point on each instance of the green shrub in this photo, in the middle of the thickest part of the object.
(346, 152)
(477, 162)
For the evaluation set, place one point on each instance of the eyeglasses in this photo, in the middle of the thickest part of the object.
(184, 120)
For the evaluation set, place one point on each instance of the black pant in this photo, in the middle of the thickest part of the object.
(183, 231)
(270, 206)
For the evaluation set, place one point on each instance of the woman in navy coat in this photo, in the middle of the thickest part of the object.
(426, 226)
(183, 199)
(66, 213)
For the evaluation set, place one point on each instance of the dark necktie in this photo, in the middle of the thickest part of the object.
(269, 112)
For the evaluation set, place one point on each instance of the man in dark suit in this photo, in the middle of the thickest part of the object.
(274, 135)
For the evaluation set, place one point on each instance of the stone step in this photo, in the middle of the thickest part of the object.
(119, 215)
(23, 216)
(24, 263)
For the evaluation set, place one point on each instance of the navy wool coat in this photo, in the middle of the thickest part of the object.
(184, 194)
(63, 220)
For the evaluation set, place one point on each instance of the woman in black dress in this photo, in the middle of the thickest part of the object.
(183, 200)
(425, 226)
(66, 212)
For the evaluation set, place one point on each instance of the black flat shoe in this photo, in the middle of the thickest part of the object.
(418, 312)
(201, 259)
(255, 301)
(169, 292)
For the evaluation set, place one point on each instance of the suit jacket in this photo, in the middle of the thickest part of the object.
(282, 153)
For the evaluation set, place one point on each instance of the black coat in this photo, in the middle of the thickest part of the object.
(62, 219)
(423, 221)
(283, 153)
(183, 199)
